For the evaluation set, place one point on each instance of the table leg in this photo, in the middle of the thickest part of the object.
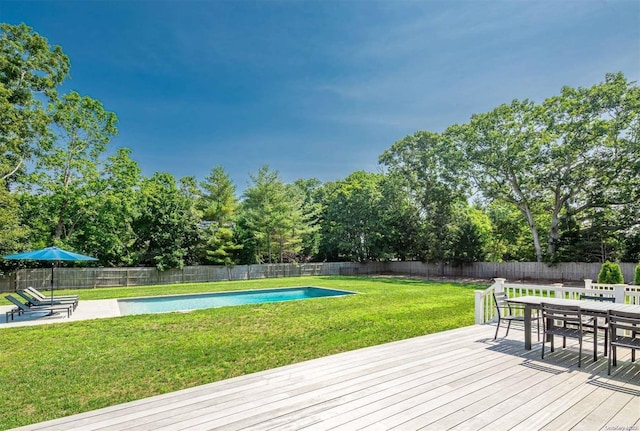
(527, 327)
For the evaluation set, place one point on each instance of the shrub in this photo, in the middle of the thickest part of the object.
(636, 281)
(610, 273)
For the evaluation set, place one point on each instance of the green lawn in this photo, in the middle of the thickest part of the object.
(51, 371)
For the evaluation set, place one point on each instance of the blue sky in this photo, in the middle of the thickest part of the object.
(319, 88)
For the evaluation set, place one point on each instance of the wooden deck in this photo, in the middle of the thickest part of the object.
(459, 379)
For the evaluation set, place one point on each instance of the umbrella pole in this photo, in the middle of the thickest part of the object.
(52, 266)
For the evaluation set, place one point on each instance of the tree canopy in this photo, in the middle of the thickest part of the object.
(551, 181)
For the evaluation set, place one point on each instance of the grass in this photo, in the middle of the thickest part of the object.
(50, 371)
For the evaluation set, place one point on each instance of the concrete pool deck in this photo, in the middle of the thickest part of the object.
(92, 309)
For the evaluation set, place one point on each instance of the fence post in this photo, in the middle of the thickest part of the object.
(479, 308)
(587, 283)
(618, 292)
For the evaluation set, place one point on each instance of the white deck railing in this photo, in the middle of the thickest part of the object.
(485, 308)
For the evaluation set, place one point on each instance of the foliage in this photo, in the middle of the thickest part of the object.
(13, 235)
(92, 364)
(470, 242)
(402, 227)
(166, 225)
(502, 147)
(273, 215)
(430, 164)
(636, 279)
(574, 152)
(557, 181)
(108, 233)
(29, 69)
(593, 237)
(68, 172)
(218, 205)
(218, 201)
(352, 223)
(610, 273)
(312, 207)
(510, 238)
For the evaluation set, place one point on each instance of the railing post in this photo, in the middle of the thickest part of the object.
(479, 307)
(557, 293)
(587, 283)
(499, 284)
(618, 292)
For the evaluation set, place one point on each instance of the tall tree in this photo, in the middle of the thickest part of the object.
(272, 213)
(576, 151)
(107, 230)
(403, 228)
(504, 148)
(312, 210)
(218, 205)
(352, 227)
(29, 68)
(431, 167)
(13, 233)
(593, 152)
(166, 225)
(68, 173)
(30, 71)
(510, 237)
(471, 236)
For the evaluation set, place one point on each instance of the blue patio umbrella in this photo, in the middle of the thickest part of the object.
(53, 254)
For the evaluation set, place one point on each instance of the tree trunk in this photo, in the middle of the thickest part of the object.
(534, 231)
(554, 230)
(554, 234)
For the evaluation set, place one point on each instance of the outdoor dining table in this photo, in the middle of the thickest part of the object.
(591, 308)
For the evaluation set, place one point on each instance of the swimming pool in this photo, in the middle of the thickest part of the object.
(163, 304)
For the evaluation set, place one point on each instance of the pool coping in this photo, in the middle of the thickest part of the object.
(240, 291)
(230, 292)
(108, 308)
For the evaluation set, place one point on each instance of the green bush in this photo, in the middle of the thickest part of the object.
(636, 281)
(610, 273)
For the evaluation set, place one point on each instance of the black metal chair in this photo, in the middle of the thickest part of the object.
(624, 331)
(565, 321)
(600, 322)
(509, 313)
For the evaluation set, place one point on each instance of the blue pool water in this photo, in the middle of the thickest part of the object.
(162, 304)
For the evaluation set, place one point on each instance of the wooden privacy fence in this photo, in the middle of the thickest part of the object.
(80, 278)
(86, 278)
(514, 271)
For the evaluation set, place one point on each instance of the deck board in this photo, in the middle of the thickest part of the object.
(460, 379)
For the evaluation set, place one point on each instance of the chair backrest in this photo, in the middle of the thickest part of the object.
(26, 298)
(597, 298)
(624, 321)
(567, 314)
(19, 304)
(500, 298)
(35, 293)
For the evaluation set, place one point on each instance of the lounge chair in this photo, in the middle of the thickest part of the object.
(37, 302)
(37, 294)
(23, 308)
